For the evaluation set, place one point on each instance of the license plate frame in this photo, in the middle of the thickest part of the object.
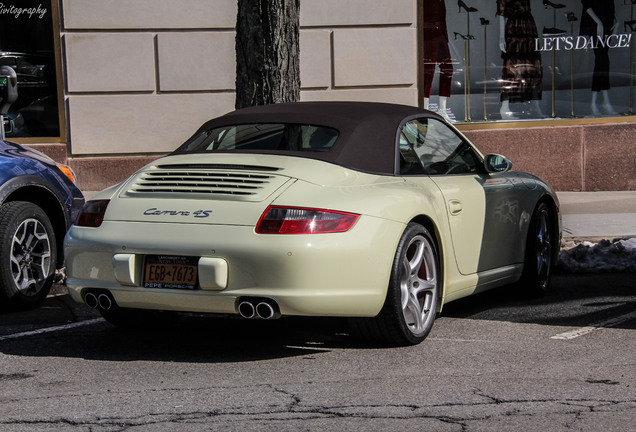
(171, 272)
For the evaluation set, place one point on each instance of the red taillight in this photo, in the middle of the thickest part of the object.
(92, 214)
(296, 220)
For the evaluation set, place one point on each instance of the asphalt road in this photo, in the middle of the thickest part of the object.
(493, 362)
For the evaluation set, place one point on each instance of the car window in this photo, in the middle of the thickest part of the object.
(263, 136)
(430, 147)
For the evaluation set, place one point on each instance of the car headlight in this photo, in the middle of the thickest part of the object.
(67, 171)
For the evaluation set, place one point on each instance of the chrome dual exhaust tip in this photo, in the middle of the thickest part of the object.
(104, 302)
(247, 310)
(265, 310)
(258, 308)
(91, 300)
(96, 300)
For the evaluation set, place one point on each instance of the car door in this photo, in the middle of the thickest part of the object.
(480, 207)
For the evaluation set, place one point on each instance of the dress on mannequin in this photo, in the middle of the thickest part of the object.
(436, 53)
(522, 72)
(599, 19)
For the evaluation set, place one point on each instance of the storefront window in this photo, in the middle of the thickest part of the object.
(27, 46)
(511, 60)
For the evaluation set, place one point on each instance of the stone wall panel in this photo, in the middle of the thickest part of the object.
(149, 14)
(315, 58)
(110, 62)
(196, 61)
(121, 124)
(383, 56)
(329, 13)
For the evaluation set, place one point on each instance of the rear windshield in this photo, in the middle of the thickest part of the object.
(263, 136)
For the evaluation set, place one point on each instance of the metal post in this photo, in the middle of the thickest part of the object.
(554, 74)
(572, 75)
(631, 66)
(468, 119)
(485, 70)
(466, 103)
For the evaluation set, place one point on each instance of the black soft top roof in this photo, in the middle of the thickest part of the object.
(367, 130)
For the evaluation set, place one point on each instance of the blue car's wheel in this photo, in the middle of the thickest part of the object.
(28, 255)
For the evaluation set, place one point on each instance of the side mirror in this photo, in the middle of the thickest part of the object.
(495, 163)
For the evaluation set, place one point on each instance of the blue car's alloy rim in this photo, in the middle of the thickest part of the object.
(30, 257)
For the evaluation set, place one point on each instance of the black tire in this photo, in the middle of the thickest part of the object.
(537, 267)
(28, 255)
(413, 294)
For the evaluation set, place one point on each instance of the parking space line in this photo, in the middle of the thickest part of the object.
(572, 334)
(51, 329)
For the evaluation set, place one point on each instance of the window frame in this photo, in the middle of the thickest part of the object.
(477, 155)
(57, 54)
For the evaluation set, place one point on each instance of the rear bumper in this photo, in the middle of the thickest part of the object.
(344, 274)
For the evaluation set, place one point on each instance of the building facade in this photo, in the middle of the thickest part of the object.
(126, 81)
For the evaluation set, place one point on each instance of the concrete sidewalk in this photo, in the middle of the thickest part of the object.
(598, 215)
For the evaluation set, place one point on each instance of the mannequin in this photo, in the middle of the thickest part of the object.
(436, 53)
(599, 19)
(522, 72)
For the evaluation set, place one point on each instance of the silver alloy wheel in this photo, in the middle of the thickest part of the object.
(30, 257)
(413, 294)
(543, 248)
(419, 285)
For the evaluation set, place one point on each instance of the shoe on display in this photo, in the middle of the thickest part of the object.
(552, 31)
(464, 6)
(463, 36)
(548, 4)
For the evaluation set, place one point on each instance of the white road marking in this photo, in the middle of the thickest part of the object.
(51, 329)
(572, 334)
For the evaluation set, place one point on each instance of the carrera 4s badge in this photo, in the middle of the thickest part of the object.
(197, 214)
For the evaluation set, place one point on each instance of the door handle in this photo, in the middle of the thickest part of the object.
(455, 207)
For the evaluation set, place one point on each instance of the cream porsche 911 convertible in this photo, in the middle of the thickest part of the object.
(377, 212)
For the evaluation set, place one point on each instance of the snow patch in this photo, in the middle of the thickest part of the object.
(604, 256)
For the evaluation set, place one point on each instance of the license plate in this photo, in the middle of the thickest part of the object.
(164, 271)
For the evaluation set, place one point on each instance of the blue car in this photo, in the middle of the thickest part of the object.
(38, 203)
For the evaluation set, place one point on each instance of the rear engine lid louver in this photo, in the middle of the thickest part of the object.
(208, 181)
